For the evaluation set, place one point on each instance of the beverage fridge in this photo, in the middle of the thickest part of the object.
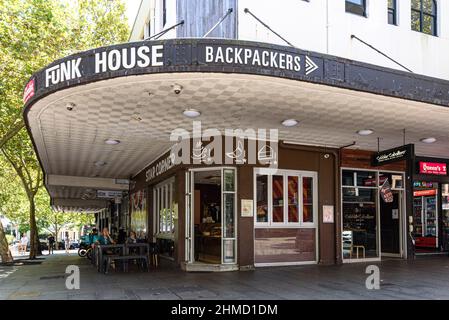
(425, 217)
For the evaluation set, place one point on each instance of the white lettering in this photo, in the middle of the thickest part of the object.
(132, 58)
(100, 61)
(209, 54)
(297, 67)
(114, 58)
(155, 54)
(142, 53)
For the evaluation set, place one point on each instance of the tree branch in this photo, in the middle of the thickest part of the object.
(12, 132)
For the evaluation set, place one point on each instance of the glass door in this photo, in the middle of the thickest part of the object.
(445, 217)
(189, 222)
(431, 220)
(229, 225)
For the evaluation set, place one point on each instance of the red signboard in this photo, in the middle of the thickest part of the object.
(29, 91)
(424, 193)
(433, 168)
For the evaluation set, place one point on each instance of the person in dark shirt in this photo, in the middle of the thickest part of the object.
(51, 244)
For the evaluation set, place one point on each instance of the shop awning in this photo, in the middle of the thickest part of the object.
(127, 93)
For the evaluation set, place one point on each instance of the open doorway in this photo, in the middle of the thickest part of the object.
(390, 225)
(211, 228)
(207, 216)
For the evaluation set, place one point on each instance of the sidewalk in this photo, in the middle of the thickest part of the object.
(424, 278)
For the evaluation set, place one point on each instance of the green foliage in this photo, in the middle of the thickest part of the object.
(9, 238)
(33, 33)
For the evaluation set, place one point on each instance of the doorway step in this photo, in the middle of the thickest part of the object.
(208, 267)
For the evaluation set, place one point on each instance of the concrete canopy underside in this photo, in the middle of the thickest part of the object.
(141, 111)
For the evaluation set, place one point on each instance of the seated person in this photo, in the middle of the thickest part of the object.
(105, 238)
(93, 237)
(132, 238)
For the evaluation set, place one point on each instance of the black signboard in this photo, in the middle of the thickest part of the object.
(392, 155)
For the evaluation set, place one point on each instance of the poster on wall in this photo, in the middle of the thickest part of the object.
(139, 218)
(328, 214)
(385, 192)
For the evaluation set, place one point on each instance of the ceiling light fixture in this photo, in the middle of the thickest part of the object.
(100, 163)
(428, 140)
(191, 113)
(290, 123)
(365, 132)
(112, 142)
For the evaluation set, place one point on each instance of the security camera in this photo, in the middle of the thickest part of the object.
(70, 106)
(177, 89)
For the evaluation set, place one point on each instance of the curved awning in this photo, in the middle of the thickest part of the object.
(126, 93)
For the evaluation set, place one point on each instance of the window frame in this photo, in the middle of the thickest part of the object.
(163, 198)
(394, 11)
(351, 7)
(285, 174)
(423, 14)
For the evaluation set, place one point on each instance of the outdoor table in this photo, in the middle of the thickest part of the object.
(101, 251)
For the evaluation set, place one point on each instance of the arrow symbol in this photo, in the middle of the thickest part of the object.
(310, 66)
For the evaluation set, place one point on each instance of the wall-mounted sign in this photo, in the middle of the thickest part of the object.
(392, 155)
(28, 93)
(160, 167)
(247, 208)
(424, 193)
(328, 214)
(395, 214)
(434, 168)
(422, 184)
(110, 194)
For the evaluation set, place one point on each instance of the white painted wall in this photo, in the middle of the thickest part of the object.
(324, 26)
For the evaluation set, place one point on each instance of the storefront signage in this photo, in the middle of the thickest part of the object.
(105, 61)
(392, 155)
(110, 194)
(160, 167)
(424, 193)
(28, 93)
(247, 208)
(422, 184)
(328, 214)
(434, 168)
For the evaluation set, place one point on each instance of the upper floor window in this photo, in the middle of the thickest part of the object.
(392, 12)
(424, 16)
(164, 12)
(356, 7)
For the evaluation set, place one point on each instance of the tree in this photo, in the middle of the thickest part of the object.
(31, 34)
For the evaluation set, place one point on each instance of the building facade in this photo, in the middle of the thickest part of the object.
(232, 148)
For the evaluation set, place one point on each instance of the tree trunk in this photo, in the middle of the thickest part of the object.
(5, 253)
(33, 229)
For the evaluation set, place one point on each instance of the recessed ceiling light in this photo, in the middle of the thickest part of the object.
(290, 122)
(365, 132)
(191, 113)
(112, 142)
(428, 140)
(100, 163)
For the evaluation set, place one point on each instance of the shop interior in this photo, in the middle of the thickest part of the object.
(207, 216)
(430, 219)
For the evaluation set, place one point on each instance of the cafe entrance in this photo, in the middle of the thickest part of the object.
(211, 234)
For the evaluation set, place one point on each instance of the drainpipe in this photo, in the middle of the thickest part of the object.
(337, 215)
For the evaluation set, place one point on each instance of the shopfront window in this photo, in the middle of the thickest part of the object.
(278, 199)
(292, 196)
(262, 198)
(163, 206)
(371, 210)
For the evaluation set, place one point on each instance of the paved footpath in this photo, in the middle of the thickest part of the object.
(424, 278)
